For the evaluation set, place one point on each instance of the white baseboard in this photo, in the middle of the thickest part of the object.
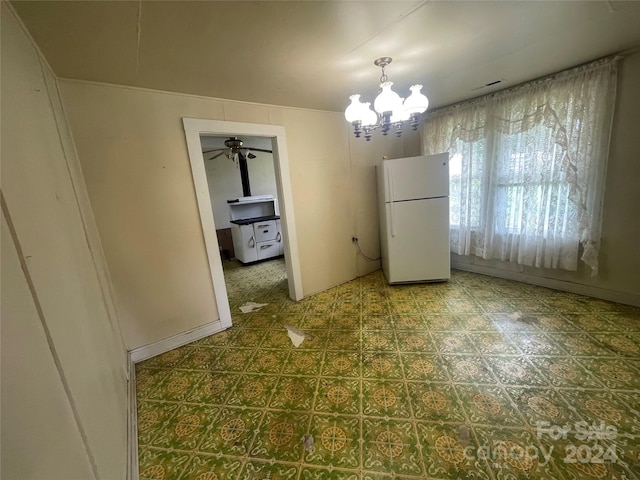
(132, 452)
(143, 353)
(590, 291)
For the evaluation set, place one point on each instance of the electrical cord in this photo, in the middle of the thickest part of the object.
(355, 240)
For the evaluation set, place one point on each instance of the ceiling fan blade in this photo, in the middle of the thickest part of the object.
(260, 150)
(216, 155)
(213, 150)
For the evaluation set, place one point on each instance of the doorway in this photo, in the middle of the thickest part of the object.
(194, 129)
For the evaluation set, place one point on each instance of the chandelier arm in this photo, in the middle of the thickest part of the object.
(367, 133)
(357, 128)
(415, 121)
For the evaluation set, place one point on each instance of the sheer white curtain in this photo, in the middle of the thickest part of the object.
(528, 167)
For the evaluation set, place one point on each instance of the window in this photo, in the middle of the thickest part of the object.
(527, 168)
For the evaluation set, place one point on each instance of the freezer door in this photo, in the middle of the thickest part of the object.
(415, 178)
(417, 241)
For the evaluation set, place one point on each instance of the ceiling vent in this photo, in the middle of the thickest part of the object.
(490, 84)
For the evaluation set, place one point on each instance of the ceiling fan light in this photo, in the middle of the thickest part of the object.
(355, 110)
(233, 143)
(417, 102)
(387, 100)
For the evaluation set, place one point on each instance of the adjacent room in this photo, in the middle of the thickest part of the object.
(244, 200)
(320, 240)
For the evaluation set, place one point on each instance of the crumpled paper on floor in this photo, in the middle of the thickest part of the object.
(251, 307)
(307, 441)
(297, 336)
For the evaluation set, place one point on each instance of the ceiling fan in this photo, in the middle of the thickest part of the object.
(234, 147)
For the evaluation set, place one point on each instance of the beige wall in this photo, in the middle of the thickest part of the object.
(64, 364)
(40, 437)
(619, 275)
(133, 152)
(364, 156)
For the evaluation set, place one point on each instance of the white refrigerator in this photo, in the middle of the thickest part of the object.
(413, 200)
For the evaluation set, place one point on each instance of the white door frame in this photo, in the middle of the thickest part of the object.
(193, 128)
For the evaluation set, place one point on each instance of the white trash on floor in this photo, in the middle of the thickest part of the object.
(297, 336)
(251, 307)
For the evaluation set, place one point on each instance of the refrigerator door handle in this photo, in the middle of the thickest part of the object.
(391, 202)
(393, 230)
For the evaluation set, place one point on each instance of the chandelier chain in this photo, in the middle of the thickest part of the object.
(384, 77)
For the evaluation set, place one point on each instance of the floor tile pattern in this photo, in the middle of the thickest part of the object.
(478, 378)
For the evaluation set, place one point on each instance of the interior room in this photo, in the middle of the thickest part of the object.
(125, 352)
(244, 201)
(233, 175)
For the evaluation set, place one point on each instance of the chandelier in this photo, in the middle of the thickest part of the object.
(392, 110)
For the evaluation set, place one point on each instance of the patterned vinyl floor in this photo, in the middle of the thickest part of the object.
(477, 378)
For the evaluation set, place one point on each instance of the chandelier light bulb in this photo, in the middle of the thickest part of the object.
(417, 102)
(369, 118)
(387, 100)
(355, 110)
(400, 114)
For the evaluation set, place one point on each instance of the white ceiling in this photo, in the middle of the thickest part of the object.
(315, 54)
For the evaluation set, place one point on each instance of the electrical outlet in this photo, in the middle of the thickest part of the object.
(354, 239)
